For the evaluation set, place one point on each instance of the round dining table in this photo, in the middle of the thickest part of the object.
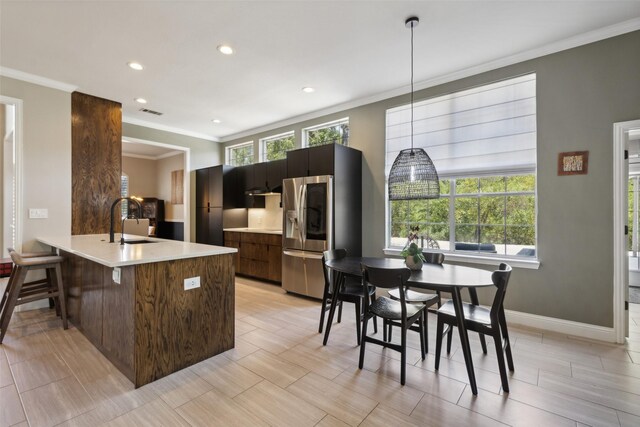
(444, 278)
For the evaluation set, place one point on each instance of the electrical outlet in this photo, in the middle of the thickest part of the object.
(38, 213)
(116, 275)
(191, 283)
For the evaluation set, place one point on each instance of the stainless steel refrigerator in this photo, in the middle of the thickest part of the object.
(307, 205)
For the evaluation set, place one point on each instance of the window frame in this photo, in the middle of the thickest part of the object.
(469, 256)
(264, 141)
(230, 148)
(333, 123)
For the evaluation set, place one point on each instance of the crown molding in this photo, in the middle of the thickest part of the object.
(138, 156)
(569, 43)
(38, 80)
(179, 131)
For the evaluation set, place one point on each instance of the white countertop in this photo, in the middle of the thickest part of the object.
(96, 247)
(254, 230)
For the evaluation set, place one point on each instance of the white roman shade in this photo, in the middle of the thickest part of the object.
(487, 130)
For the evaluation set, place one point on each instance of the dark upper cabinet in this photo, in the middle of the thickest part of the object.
(311, 161)
(259, 176)
(247, 180)
(210, 183)
(202, 188)
(276, 172)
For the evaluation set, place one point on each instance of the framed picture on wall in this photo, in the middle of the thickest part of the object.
(573, 163)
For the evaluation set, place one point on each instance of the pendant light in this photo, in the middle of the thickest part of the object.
(413, 175)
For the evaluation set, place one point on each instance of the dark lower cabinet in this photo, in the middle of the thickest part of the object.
(259, 254)
(209, 226)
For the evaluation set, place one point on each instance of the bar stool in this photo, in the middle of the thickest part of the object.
(20, 292)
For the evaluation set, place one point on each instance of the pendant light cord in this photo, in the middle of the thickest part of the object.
(412, 25)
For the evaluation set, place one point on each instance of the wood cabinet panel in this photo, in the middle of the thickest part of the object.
(275, 263)
(91, 301)
(177, 328)
(118, 325)
(321, 160)
(254, 268)
(260, 238)
(254, 251)
(231, 236)
(96, 162)
(202, 188)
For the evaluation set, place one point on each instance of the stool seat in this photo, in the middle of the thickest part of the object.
(19, 291)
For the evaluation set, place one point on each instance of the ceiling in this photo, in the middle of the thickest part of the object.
(351, 52)
(132, 148)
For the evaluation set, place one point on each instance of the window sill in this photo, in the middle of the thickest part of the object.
(532, 264)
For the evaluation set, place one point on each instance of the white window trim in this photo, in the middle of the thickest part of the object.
(473, 257)
(227, 151)
(263, 142)
(305, 142)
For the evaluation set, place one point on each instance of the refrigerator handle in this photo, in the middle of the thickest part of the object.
(299, 211)
(303, 204)
(301, 254)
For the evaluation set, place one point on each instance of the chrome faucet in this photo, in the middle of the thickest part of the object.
(113, 206)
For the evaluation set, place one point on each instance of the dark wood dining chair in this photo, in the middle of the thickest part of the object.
(415, 297)
(400, 311)
(350, 291)
(486, 321)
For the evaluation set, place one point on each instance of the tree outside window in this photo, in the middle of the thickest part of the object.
(331, 133)
(240, 155)
(275, 148)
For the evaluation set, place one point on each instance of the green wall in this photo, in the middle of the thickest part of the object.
(581, 92)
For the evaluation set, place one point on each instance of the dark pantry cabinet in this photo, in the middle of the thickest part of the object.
(211, 198)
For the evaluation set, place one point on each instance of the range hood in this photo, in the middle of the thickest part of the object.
(264, 191)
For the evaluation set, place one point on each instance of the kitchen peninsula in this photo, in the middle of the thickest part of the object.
(131, 301)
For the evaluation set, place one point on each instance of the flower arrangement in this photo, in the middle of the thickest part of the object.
(411, 249)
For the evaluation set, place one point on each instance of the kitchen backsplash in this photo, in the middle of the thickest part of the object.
(268, 218)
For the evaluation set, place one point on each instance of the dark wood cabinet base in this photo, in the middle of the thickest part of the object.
(148, 326)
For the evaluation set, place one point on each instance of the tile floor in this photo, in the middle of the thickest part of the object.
(279, 374)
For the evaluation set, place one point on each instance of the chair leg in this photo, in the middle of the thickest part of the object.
(375, 318)
(21, 274)
(340, 312)
(390, 330)
(421, 331)
(483, 343)
(332, 312)
(505, 336)
(323, 309)
(439, 331)
(384, 330)
(7, 290)
(403, 355)
(449, 339)
(61, 297)
(364, 341)
(500, 356)
(425, 313)
(358, 320)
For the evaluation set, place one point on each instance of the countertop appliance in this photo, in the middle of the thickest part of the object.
(307, 204)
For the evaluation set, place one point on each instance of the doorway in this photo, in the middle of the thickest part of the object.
(10, 161)
(625, 190)
(160, 171)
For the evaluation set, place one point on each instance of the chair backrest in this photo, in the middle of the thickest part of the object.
(433, 257)
(137, 227)
(386, 278)
(328, 274)
(500, 279)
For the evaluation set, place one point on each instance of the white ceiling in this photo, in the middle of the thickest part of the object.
(350, 51)
(132, 148)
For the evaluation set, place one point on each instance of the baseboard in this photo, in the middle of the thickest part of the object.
(568, 327)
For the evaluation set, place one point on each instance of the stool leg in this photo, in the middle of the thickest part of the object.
(21, 274)
(61, 297)
(5, 294)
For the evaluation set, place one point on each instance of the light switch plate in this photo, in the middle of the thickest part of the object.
(116, 275)
(191, 283)
(38, 213)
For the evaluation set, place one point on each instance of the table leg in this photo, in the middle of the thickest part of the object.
(337, 284)
(474, 300)
(464, 338)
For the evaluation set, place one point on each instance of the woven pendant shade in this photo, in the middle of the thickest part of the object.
(413, 176)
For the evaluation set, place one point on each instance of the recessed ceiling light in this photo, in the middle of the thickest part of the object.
(308, 89)
(135, 65)
(140, 100)
(225, 49)
(216, 121)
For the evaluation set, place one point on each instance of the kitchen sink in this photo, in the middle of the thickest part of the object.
(138, 242)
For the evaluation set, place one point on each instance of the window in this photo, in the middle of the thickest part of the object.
(276, 147)
(240, 154)
(124, 192)
(483, 144)
(328, 133)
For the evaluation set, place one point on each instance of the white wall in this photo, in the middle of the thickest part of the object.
(46, 158)
(172, 212)
(143, 176)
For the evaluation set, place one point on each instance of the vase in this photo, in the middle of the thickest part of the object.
(411, 264)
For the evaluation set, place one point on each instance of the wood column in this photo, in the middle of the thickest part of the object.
(96, 161)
